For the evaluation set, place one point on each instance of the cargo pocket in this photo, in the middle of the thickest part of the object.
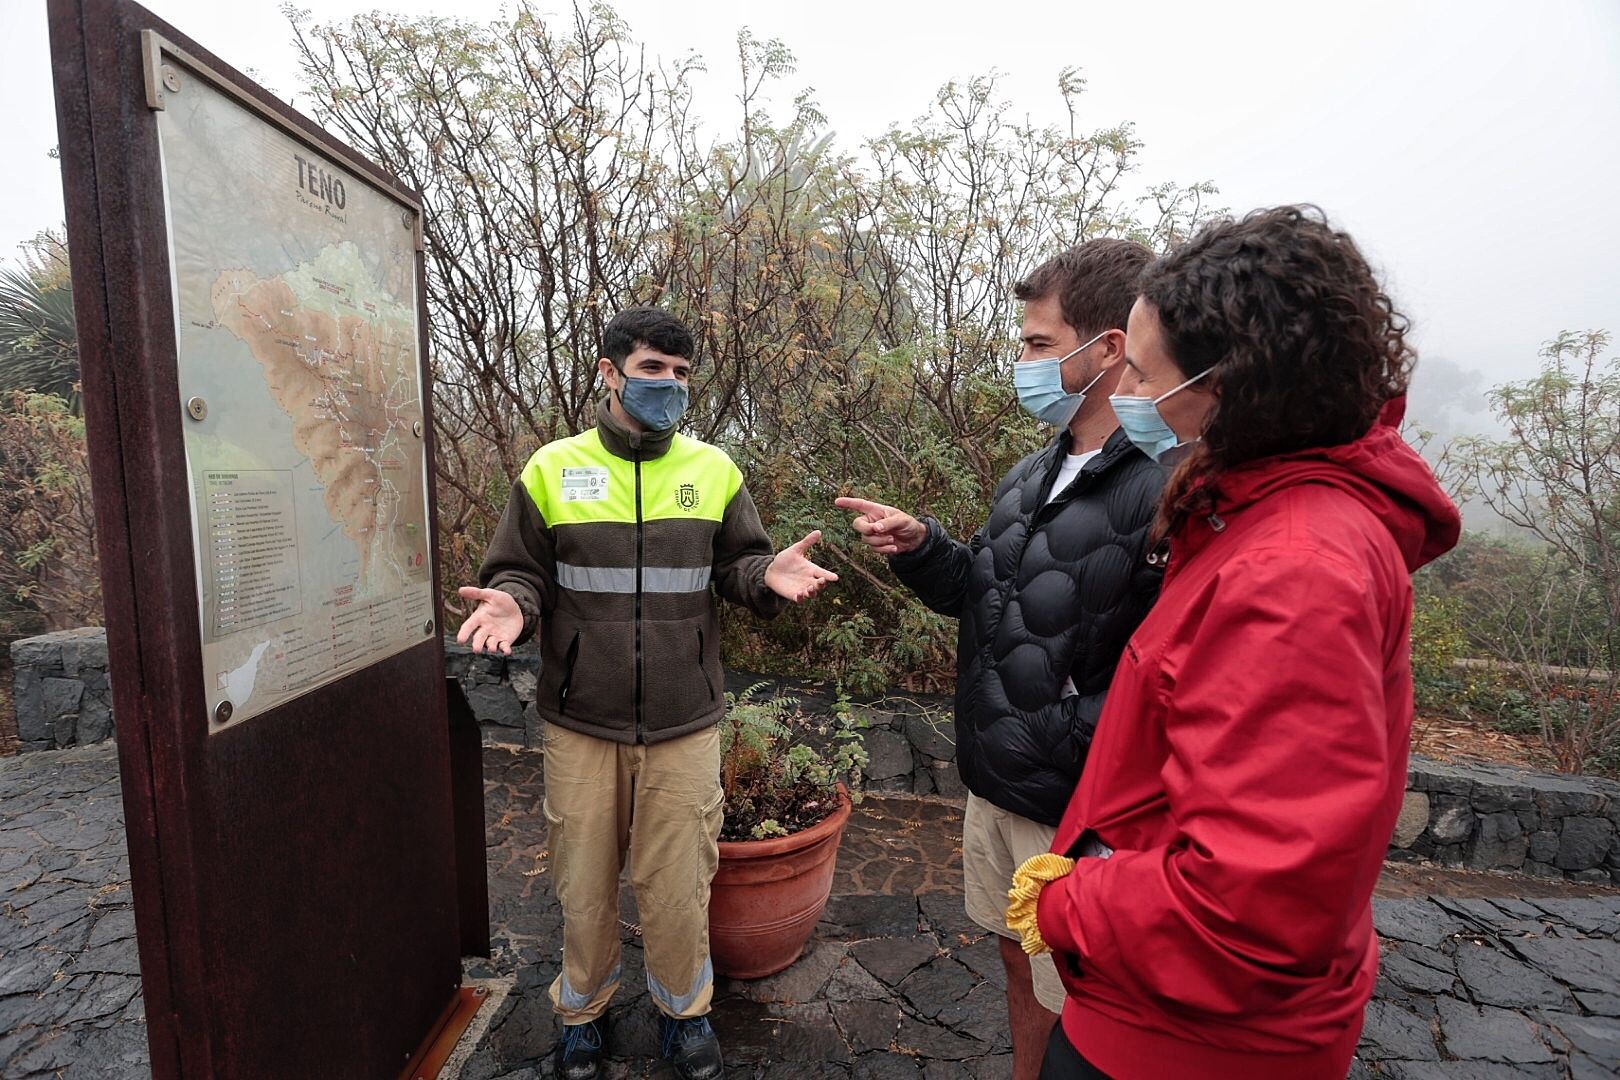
(711, 816)
(554, 845)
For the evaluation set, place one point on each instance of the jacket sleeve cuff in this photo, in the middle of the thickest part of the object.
(527, 603)
(767, 604)
(1056, 915)
(924, 553)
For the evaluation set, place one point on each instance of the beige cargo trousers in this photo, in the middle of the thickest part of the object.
(663, 805)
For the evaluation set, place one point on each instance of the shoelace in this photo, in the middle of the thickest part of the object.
(680, 1031)
(576, 1034)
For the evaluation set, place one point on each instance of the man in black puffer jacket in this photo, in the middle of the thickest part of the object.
(1048, 592)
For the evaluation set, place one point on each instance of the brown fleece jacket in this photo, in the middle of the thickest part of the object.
(610, 543)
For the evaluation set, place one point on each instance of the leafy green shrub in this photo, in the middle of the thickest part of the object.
(780, 773)
(1549, 611)
(49, 576)
(1438, 642)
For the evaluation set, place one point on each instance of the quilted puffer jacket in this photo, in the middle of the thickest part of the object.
(1045, 592)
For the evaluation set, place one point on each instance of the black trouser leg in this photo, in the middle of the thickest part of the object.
(1063, 1061)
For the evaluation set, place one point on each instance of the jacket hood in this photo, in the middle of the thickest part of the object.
(1380, 469)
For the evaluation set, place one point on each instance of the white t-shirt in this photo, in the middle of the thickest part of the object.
(1072, 464)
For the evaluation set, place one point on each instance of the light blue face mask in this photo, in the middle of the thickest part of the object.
(1040, 387)
(656, 404)
(1143, 422)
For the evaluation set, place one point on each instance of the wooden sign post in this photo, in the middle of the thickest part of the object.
(253, 340)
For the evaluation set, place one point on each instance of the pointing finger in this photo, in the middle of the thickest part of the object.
(880, 527)
(863, 506)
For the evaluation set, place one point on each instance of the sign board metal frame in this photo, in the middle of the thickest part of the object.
(294, 879)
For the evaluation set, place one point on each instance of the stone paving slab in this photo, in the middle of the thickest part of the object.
(70, 988)
(897, 982)
(1496, 988)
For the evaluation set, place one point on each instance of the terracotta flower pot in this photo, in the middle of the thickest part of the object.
(768, 896)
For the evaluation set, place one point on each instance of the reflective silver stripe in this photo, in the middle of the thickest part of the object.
(675, 579)
(622, 579)
(596, 578)
(573, 1000)
(679, 1006)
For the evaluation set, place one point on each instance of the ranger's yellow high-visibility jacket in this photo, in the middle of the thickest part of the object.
(614, 544)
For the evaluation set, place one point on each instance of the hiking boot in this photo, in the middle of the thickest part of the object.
(693, 1048)
(579, 1051)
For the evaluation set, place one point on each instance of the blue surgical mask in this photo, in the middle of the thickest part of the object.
(1143, 422)
(656, 404)
(1040, 387)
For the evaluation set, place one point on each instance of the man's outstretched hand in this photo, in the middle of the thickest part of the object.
(884, 529)
(793, 576)
(494, 624)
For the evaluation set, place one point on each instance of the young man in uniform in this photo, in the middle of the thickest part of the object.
(611, 550)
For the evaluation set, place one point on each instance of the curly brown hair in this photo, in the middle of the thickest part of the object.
(1306, 346)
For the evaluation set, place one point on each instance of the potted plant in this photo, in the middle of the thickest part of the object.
(785, 811)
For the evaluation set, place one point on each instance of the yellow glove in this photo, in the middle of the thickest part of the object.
(1028, 880)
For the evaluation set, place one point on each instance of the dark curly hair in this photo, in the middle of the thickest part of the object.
(1306, 346)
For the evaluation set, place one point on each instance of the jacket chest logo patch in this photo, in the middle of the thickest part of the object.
(686, 497)
(585, 484)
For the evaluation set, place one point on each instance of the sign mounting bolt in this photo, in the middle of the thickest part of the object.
(222, 712)
(171, 79)
(416, 429)
(198, 408)
(427, 628)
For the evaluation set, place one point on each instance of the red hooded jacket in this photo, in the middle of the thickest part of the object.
(1247, 772)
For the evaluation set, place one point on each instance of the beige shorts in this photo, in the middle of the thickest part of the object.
(995, 842)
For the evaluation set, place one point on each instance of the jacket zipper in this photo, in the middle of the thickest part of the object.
(639, 540)
(1081, 484)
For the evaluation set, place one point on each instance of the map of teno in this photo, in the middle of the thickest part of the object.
(296, 317)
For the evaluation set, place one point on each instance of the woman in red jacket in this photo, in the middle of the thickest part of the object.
(1250, 763)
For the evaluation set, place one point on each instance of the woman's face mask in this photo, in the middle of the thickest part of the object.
(1143, 422)
(1039, 384)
